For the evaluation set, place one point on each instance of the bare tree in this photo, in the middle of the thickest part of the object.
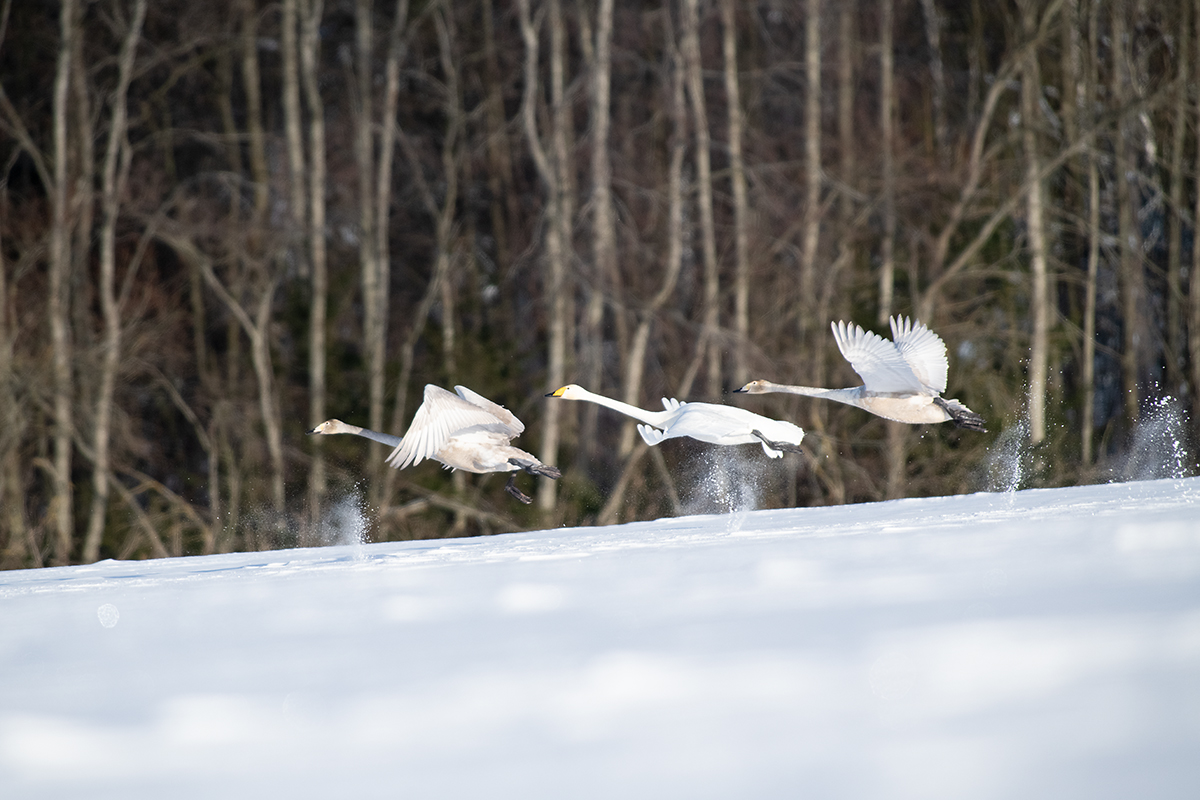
(1194, 272)
(636, 362)
(372, 278)
(293, 117)
(887, 105)
(504, 202)
(1031, 89)
(551, 172)
(115, 176)
(252, 85)
(741, 205)
(309, 67)
(1175, 354)
(58, 311)
(707, 342)
(603, 275)
(980, 157)
(1091, 81)
(812, 169)
(376, 333)
(937, 74)
(1132, 281)
(256, 326)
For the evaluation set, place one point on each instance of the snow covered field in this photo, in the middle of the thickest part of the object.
(1036, 644)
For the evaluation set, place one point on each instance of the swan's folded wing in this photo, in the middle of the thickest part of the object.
(924, 351)
(441, 416)
(875, 359)
(502, 415)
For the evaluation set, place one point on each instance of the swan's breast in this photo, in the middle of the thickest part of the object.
(477, 453)
(914, 409)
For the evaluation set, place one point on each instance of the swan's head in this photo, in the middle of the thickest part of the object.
(570, 392)
(755, 387)
(330, 426)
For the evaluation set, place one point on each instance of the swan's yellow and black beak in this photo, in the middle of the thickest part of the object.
(314, 430)
(741, 391)
(557, 392)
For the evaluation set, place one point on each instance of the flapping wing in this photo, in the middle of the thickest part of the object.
(441, 416)
(924, 351)
(502, 414)
(876, 360)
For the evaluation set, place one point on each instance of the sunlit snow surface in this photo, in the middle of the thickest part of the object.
(1036, 644)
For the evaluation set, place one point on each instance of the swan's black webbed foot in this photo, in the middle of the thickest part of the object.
(537, 468)
(960, 415)
(783, 447)
(511, 488)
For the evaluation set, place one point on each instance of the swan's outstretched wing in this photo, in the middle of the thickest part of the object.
(876, 360)
(441, 416)
(502, 414)
(924, 351)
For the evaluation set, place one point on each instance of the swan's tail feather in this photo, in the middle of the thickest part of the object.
(961, 416)
(651, 436)
(536, 468)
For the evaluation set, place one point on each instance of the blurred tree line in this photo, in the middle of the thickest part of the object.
(223, 222)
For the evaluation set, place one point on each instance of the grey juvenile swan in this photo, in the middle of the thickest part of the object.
(463, 431)
(707, 422)
(903, 379)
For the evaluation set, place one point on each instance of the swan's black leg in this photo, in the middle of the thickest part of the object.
(537, 468)
(511, 488)
(785, 447)
(961, 416)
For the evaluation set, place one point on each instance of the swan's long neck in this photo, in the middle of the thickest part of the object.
(657, 418)
(382, 438)
(851, 397)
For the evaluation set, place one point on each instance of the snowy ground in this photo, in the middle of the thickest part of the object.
(1036, 644)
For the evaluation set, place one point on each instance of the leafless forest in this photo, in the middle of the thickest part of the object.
(222, 222)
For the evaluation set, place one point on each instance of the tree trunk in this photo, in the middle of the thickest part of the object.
(252, 84)
(14, 546)
(309, 59)
(1175, 217)
(444, 22)
(897, 435)
(704, 188)
(1194, 272)
(361, 90)
(397, 39)
(550, 172)
(741, 206)
(293, 120)
(1039, 300)
(59, 304)
(1093, 258)
(887, 104)
(1128, 240)
(604, 232)
(937, 75)
(809, 325)
(504, 202)
(116, 172)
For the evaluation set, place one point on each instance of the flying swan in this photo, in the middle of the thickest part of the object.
(463, 431)
(707, 422)
(903, 380)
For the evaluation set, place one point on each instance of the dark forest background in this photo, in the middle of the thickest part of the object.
(222, 222)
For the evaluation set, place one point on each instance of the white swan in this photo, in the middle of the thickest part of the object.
(902, 379)
(707, 422)
(463, 431)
